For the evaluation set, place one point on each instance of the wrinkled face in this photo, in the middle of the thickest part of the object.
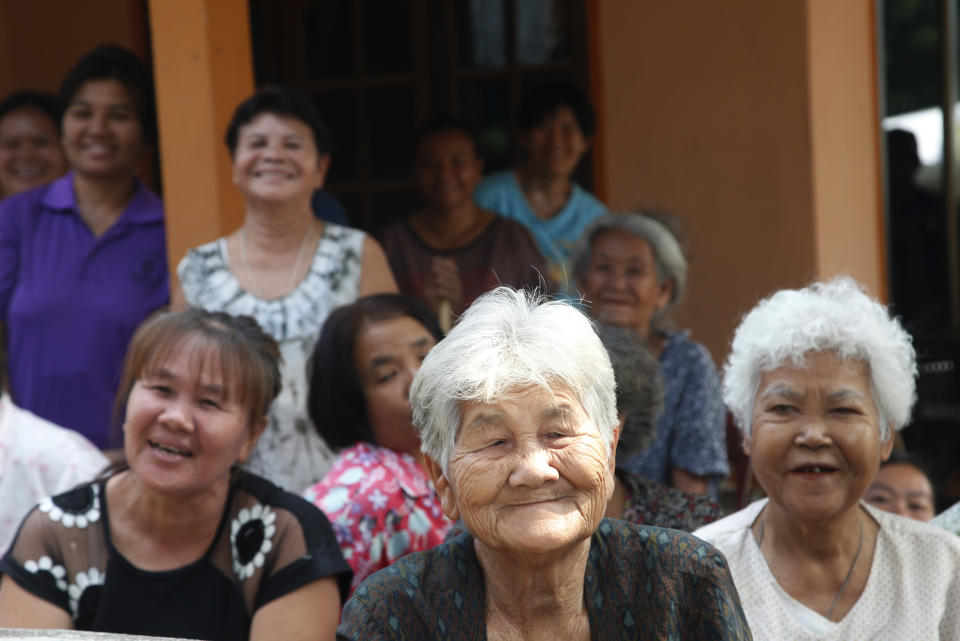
(447, 169)
(30, 153)
(815, 442)
(902, 489)
(102, 134)
(621, 282)
(555, 145)
(183, 427)
(387, 354)
(529, 474)
(276, 160)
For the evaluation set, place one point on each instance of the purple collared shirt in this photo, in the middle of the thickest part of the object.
(71, 301)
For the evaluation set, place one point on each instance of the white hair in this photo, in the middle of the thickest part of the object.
(668, 255)
(507, 341)
(836, 316)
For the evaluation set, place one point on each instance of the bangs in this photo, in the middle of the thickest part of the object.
(208, 361)
(234, 351)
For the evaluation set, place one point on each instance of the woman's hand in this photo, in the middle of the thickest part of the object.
(21, 609)
(443, 283)
(310, 613)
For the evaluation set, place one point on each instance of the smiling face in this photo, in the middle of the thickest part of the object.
(447, 169)
(815, 443)
(387, 354)
(621, 282)
(902, 489)
(183, 427)
(529, 474)
(102, 133)
(555, 145)
(276, 160)
(30, 153)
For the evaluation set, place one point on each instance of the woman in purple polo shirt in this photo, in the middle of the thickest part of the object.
(83, 259)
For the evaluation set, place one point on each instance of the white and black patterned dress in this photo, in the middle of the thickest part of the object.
(290, 453)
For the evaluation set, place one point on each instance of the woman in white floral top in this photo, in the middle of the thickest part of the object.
(283, 267)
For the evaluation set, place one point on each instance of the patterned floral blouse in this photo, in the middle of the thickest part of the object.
(691, 432)
(269, 543)
(381, 505)
(290, 453)
(641, 583)
(650, 503)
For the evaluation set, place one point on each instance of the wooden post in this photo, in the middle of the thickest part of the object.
(203, 68)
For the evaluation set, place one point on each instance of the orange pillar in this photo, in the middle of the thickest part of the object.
(757, 123)
(202, 68)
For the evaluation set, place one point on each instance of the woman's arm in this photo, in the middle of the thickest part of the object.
(310, 613)
(688, 482)
(375, 274)
(21, 609)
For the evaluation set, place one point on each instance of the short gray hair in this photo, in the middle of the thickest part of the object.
(639, 388)
(836, 316)
(506, 341)
(667, 252)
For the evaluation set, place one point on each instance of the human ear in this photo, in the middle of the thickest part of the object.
(254, 431)
(323, 166)
(886, 447)
(612, 462)
(745, 444)
(448, 499)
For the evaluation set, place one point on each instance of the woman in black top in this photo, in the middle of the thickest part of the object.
(178, 542)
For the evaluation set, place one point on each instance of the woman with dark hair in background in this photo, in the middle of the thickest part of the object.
(30, 152)
(283, 267)
(177, 541)
(377, 495)
(902, 486)
(83, 260)
(556, 124)
(451, 249)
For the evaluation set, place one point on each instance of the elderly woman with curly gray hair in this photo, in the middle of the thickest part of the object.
(631, 270)
(818, 379)
(517, 416)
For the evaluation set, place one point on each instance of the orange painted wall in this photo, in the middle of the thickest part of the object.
(41, 39)
(718, 112)
(203, 68)
(847, 185)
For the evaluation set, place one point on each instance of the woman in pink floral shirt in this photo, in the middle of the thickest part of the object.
(377, 495)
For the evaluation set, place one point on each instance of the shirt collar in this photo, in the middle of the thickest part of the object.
(144, 207)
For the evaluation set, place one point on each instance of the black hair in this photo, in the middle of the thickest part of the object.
(45, 103)
(113, 62)
(444, 123)
(280, 101)
(335, 401)
(903, 457)
(545, 100)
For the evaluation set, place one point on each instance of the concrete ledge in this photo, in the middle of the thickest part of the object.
(72, 635)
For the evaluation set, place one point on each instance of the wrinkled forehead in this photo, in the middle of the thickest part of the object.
(539, 403)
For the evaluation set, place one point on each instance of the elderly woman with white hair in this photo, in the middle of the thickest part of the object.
(818, 379)
(631, 270)
(517, 416)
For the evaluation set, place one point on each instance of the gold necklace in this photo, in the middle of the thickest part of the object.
(254, 286)
(846, 579)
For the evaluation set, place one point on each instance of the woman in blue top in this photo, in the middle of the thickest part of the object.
(556, 125)
(632, 270)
